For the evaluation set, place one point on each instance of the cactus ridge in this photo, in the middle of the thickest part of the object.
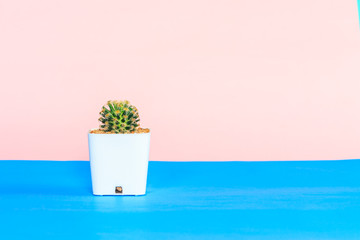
(119, 117)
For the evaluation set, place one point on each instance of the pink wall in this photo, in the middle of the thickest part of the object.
(214, 80)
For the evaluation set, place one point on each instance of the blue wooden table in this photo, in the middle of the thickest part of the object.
(189, 200)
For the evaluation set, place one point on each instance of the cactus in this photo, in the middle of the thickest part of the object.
(119, 117)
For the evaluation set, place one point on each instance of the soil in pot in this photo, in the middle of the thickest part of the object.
(138, 130)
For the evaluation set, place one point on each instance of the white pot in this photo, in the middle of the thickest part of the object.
(119, 163)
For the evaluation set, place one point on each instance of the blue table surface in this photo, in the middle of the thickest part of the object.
(185, 200)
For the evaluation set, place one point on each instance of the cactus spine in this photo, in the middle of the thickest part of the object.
(119, 117)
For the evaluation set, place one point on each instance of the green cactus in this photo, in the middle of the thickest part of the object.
(119, 117)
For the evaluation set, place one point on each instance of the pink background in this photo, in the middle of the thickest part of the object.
(214, 80)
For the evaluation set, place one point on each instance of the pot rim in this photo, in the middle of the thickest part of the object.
(114, 133)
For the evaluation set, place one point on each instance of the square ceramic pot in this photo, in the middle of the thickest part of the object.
(119, 163)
